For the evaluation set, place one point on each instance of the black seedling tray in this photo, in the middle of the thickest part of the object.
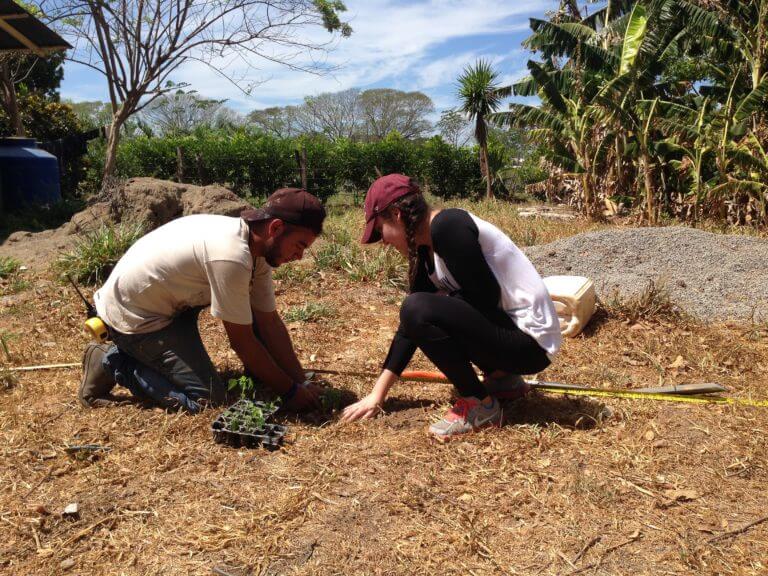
(244, 406)
(247, 435)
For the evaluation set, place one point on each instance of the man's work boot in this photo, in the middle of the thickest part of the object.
(96, 385)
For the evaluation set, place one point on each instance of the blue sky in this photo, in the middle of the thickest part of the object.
(409, 45)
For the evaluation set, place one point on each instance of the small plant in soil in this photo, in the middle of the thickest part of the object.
(235, 423)
(331, 399)
(245, 386)
(255, 418)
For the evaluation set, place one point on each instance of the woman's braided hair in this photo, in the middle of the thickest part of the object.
(413, 210)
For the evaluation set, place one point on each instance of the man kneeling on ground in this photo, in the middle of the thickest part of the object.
(152, 299)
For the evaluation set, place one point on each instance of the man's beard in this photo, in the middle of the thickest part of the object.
(272, 252)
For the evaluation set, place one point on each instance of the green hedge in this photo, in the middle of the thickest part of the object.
(257, 164)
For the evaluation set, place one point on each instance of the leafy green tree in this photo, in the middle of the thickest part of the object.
(23, 74)
(181, 112)
(280, 121)
(384, 110)
(454, 128)
(92, 113)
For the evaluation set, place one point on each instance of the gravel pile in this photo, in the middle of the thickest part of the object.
(713, 277)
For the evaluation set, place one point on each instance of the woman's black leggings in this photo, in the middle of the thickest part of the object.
(453, 334)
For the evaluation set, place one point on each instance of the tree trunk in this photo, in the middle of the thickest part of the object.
(587, 183)
(10, 103)
(650, 205)
(110, 162)
(485, 170)
(586, 186)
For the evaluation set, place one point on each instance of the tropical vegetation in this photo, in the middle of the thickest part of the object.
(653, 105)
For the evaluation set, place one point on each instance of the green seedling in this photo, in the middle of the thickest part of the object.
(244, 385)
(255, 419)
(272, 406)
(235, 424)
(331, 399)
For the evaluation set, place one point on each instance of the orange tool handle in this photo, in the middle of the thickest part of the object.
(424, 376)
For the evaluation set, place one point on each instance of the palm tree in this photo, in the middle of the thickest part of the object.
(480, 97)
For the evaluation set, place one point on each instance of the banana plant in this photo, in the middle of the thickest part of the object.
(569, 125)
(752, 177)
(691, 137)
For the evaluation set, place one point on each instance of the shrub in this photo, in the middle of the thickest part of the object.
(653, 303)
(97, 252)
(254, 164)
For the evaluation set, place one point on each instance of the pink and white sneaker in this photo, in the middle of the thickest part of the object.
(467, 415)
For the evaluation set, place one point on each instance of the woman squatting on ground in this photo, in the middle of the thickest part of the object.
(474, 300)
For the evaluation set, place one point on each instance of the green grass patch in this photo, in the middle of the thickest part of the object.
(340, 251)
(294, 273)
(11, 277)
(8, 267)
(96, 253)
(311, 312)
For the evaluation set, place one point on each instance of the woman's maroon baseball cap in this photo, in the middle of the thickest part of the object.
(381, 194)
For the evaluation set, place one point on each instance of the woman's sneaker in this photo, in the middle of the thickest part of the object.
(467, 415)
(509, 387)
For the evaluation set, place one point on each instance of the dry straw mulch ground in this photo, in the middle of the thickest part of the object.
(568, 486)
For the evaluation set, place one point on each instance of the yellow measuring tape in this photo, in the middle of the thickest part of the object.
(430, 377)
(694, 399)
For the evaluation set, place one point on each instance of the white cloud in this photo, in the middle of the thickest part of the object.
(391, 45)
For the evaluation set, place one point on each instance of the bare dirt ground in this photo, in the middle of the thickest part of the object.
(655, 488)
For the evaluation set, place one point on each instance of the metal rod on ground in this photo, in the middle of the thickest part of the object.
(426, 376)
(43, 367)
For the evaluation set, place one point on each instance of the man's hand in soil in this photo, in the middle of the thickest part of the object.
(306, 399)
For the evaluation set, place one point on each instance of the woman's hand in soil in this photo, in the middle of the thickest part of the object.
(307, 398)
(363, 409)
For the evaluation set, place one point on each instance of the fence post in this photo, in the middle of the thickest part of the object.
(179, 165)
(301, 160)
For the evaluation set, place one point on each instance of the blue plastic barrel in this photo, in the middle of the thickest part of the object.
(28, 175)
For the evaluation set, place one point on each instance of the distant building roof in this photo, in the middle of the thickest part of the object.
(22, 32)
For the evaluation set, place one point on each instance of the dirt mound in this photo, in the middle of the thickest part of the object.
(159, 201)
(712, 277)
(147, 200)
